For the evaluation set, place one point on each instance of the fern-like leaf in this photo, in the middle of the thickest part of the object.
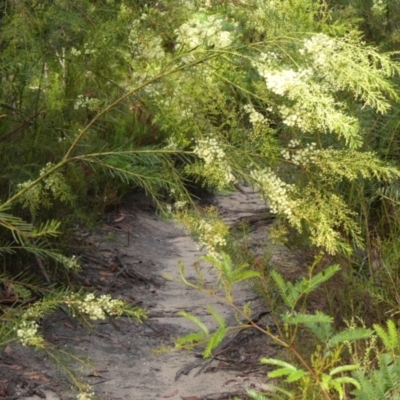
(283, 289)
(315, 281)
(306, 319)
(217, 316)
(195, 320)
(215, 340)
(191, 338)
(390, 338)
(349, 335)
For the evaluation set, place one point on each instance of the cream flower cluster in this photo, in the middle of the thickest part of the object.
(310, 105)
(209, 150)
(210, 236)
(255, 117)
(38, 195)
(215, 162)
(89, 103)
(87, 49)
(269, 57)
(33, 198)
(145, 46)
(282, 82)
(71, 263)
(304, 156)
(379, 7)
(297, 115)
(276, 192)
(209, 230)
(87, 394)
(321, 48)
(208, 31)
(27, 333)
(97, 308)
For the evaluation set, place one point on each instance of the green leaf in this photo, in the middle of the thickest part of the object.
(215, 340)
(318, 318)
(348, 380)
(344, 368)
(191, 338)
(390, 337)
(195, 320)
(349, 335)
(320, 278)
(279, 363)
(283, 289)
(280, 372)
(217, 316)
(295, 376)
(244, 275)
(274, 388)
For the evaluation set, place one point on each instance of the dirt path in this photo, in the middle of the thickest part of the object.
(128, 259)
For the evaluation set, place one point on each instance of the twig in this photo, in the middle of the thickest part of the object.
(42, 269)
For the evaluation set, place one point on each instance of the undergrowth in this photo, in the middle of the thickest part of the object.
(298, 99)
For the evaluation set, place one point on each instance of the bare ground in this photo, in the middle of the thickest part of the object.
(128, 257)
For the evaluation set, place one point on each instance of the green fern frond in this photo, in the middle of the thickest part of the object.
(368, 390)
(309, 285)
(256, 396)
(277, 373)
(349, 335)
(295, 376)
(217, 316)
(191, 338)
(284, 289)
(318, 324)
(343, 368)
(347, 380)
(277, 395)
(278, 363)
(308, 319)
(195, 320)
(229, 272)
(290, 371)
(215, 340)
(390, 338)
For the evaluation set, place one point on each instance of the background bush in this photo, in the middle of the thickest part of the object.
(296, 98)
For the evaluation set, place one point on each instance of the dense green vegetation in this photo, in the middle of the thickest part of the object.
(297, 98)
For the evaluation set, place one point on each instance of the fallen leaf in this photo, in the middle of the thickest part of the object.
(16, 367)
(105, 273)
(94, 374)
(36, 376)
(8, 351)
(68, 325)
(190, 398)
(229, 381)
(121, 218)
(171, 394)
(8, 293)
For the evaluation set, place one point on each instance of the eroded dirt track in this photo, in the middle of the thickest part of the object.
(128, 258)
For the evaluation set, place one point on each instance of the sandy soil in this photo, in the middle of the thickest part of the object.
(128, 258)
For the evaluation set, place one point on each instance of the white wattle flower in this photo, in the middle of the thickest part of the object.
(97, 308)
(28, 334)
(208, 32)
(275, 191)
(215, 162)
